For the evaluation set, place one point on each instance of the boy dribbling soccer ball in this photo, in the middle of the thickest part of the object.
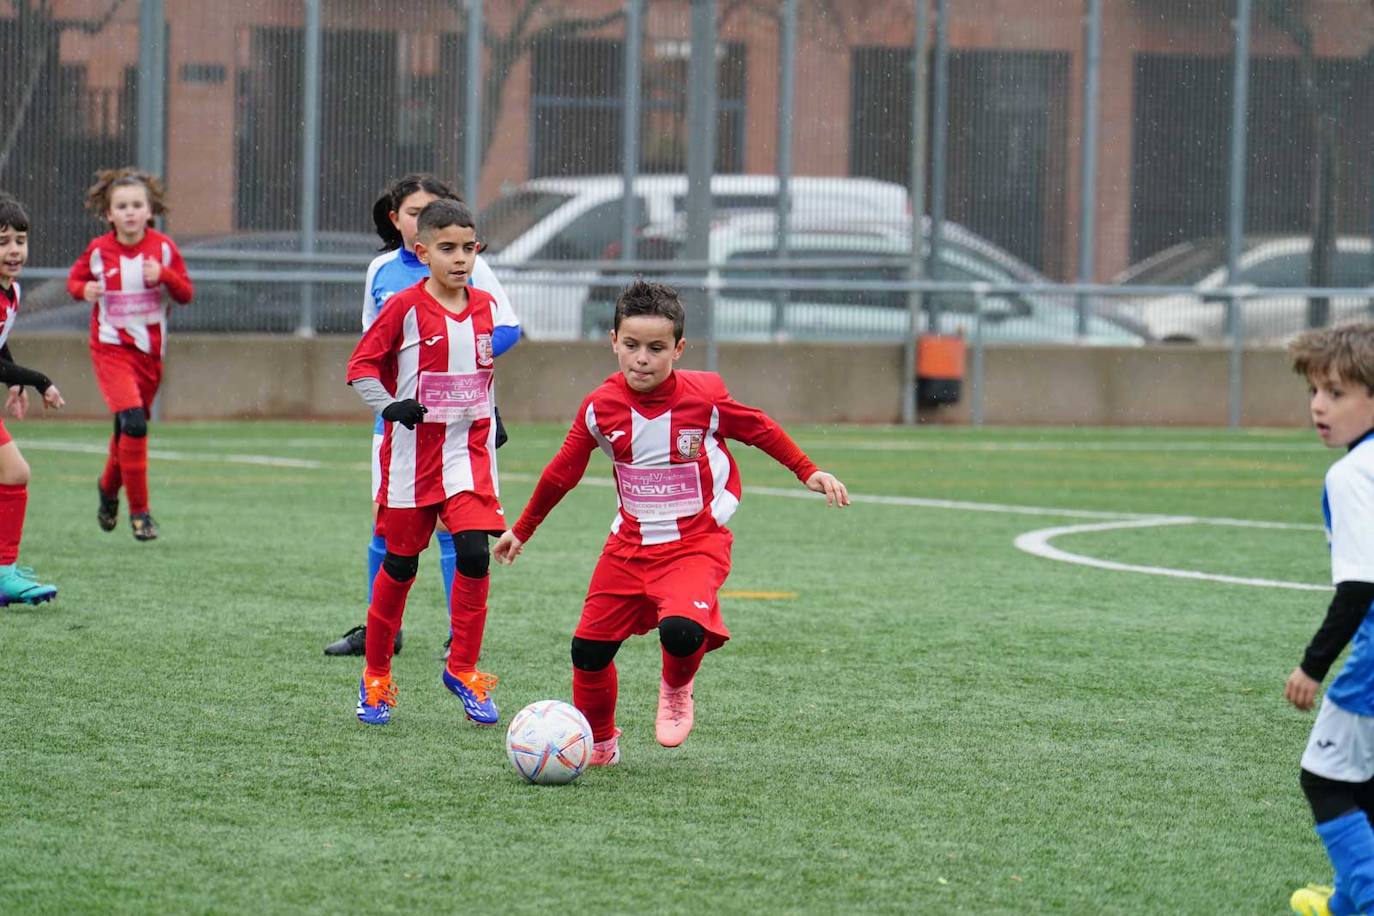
(677, 486)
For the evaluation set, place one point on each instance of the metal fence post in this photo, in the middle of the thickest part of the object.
(472, 114)
(701, 155)
(980, 295)
(916, 270)
(1235, 381)
(629, 126)
(152, 86)
(310, 159)
(1087, 185)
(787, 51)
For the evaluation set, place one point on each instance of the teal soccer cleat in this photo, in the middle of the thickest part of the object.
(18, 586)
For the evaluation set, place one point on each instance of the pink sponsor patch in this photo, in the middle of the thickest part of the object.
(129, 309)
(653, 494)
(454, 397)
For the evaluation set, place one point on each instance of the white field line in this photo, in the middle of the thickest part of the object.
(1036, 543)
(872, 445)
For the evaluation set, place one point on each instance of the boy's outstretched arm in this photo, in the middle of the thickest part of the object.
(1343, 619)
(754, 427)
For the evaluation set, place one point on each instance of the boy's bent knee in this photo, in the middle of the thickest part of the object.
(132, 422)
(472, 553)
(592, 654)
(400, 568)
(1329, 798)
(681, 636)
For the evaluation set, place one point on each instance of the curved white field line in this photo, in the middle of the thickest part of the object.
(1037, 543)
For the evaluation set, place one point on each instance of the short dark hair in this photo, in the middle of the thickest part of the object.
(645, 297)
(12, 215)
(442, 213)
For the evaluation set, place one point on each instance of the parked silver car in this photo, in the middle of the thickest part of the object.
(1266, 262)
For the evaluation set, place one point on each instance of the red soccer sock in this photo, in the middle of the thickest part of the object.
(594, 693)
(133, 464)
(14, 498)
(678, 671)
(383, 620)
(111, 479)
(468, 620)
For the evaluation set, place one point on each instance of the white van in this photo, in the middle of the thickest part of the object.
(579, 219)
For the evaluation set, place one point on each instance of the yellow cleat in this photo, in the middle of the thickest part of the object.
(1311, 900)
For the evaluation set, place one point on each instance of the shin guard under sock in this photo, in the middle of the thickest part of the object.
(376, 553)
(133, 466)
(110, 479)
(678, 671)
(467, 621)
(14, 499)
(448, 567)
(594, 693)
(383, 620)
(1349, 842)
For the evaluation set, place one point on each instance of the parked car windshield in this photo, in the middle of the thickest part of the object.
(1187, 266)
(512, 215)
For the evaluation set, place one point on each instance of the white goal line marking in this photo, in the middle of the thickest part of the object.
(1036, 543)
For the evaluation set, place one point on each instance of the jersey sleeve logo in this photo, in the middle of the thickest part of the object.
(484, 352)
(689, 443)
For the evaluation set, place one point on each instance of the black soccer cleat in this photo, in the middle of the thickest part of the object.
(354, 642)
(145, 529)
(107, 516)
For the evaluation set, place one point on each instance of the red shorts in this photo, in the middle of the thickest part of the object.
(5, 437)
(630, 594)
(128, 378)
(407, 531)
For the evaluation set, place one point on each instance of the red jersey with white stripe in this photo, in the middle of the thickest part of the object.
(9, 307)
(674, 476)
(130, 313)
(419, 349)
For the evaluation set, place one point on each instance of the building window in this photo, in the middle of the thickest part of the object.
(576, 108)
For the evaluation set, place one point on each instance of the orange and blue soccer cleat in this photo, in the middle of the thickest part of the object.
(1311, 900)
(606, 753)
(674, 721)
(145, 529)
(18, 586)
(376, 697)
(474, 689)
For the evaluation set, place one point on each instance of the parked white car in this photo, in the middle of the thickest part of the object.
(580, 219)
(1266, 262)
(744, 244)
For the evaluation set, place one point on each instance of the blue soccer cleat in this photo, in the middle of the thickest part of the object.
(18, 586)
(376, 696)
(474, 689)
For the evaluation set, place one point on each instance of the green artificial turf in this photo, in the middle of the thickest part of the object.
(936, 721)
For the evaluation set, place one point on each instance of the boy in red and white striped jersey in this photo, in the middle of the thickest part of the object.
(123, 273)
(426, 367)
(677, 486)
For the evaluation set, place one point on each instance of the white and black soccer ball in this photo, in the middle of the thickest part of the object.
(549, 742)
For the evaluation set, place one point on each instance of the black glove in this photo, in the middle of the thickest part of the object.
(501, 437)
(407, 412)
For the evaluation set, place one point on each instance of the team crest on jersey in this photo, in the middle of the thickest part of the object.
(689, 443)
(484, 357)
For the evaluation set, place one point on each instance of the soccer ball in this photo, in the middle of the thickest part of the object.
(549, 742)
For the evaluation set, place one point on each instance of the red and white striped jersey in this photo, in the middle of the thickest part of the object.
(419, 349)
(674, 476)
(130, 314)
(9, 308)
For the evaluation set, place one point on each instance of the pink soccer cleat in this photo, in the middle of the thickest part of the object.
(674, 722)
(606, 753)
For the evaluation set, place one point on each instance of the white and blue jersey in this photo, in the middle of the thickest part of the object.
(1348, 507)
(398, 269)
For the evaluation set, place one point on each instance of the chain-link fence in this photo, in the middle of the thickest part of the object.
(1079, 140)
